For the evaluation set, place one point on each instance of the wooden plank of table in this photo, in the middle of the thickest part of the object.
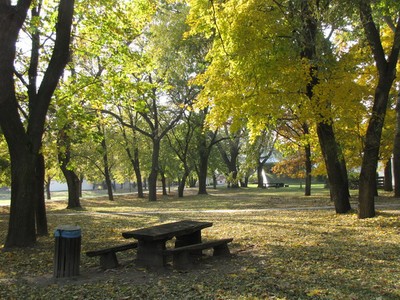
(167, 231)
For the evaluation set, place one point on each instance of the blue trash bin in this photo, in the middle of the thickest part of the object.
(67, 251)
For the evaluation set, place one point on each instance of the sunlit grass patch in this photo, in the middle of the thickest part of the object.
(286, 246)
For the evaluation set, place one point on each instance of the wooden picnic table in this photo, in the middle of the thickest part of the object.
(152, 240)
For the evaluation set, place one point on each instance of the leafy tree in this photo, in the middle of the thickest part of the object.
(261, 68)
(386, 63)
(23, 130)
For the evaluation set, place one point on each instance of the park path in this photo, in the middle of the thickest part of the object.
(385, 207)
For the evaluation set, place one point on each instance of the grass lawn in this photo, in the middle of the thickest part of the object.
(286, 246)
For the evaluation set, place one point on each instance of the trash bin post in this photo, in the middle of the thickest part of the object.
(67, 251)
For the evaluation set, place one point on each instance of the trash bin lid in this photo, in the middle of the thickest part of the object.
(67, 231)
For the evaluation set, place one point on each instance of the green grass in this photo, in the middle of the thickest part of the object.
(286, 246)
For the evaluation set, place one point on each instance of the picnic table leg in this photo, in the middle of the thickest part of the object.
(149, 253)
(189, 239)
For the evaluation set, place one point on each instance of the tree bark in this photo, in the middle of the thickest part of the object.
(164, 183)
(331, 154)
(396, 151)
(40, 209)
(154, 170)
(388, 185)
(73, 184)
(64, 158)
(204, 154)
(182, 184)
(47, 188)
(107, 175)
(386, 66)
(308, 164)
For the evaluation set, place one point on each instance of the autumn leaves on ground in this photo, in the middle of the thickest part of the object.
(285, 246)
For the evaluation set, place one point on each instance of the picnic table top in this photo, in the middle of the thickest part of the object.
(167, 231)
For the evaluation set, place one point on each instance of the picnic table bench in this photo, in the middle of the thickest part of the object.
(108, 258)
(182, 255)
(152, 250)
(275, 184)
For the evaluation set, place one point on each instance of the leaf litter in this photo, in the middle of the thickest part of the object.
(276, 254)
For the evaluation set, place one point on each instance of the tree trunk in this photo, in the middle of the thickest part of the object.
(21, 227)
(24, 145)
(204, 154)
(73, 184)
(396, 151)
(331, 154)
(40, 209)
(329, 146)
(164, 184)
(214, 177)
(308, 164)
(367, 188)
(47, 188)
(388, 185)
(154, 170)
(138, 174)
(260, 177)
(182, 184)
(245, 181)
(386, 66)
(107, 175)
(72, 179)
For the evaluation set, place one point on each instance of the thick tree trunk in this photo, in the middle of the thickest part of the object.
(386, 66)
(331, 154)
(396, 151)
(64, 158)
(21, 227)
(73, 184)
(367, 188)
(40, 209)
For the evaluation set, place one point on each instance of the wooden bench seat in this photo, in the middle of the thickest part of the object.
(182, 255)
(108, 258)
